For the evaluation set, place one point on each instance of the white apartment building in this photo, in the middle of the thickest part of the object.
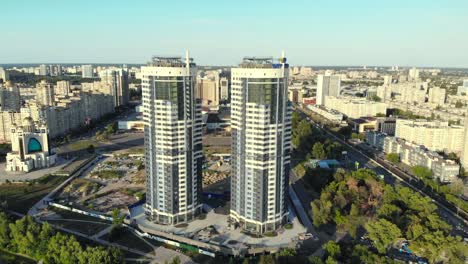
(409, 92)
(173, 140)
(224, 88)
(327, 85)
(330, 114)
(413, 74)
(118, 81)
(355, 107)
(415, 155)
(434, 135)
(261, 144)
(87, 71)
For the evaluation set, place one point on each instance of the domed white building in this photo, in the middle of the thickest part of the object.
(30, 147)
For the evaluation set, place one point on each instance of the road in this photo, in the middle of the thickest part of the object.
(389, 177)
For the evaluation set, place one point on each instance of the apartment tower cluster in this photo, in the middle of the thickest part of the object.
(261, 135)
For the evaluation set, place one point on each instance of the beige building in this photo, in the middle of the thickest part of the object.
(208, 91)
(437, 96)
(354, 107)
(434, 135)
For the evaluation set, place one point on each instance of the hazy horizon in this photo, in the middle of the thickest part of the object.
(343, 33)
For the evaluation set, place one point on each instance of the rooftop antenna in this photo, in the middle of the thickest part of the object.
(187, 58)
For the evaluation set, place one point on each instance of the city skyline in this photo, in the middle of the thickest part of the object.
(319, 33)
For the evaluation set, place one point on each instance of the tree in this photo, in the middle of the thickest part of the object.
(393, 158)
(459, 104)
(111, 128)
(421, 172)
(315, 260)
(117, 218)
(382, 233)
(91, 148)
(332, 248)
(318, 151)
(4, 230)
(452, 156)
(287, 252)
(376, 98)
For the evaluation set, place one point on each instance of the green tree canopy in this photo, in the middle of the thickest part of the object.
(382, 233)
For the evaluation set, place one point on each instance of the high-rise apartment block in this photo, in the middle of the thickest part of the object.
(224, 88)
(10, 99)
(87, 71)
(173, 140)
(118, 79)
(62, 88)
(261, 136)
(327, 85)
(208, 90)
(43, 70)
(45, 93)
(413, 74)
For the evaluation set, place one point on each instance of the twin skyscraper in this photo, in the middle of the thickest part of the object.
(261, 142)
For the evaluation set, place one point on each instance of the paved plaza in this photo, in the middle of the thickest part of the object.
(226, 236)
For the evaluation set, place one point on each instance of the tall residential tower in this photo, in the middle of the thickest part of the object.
(327, 85)
(261, 136)
(173, 140)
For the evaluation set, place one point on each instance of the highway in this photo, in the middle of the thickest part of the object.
(391, 178)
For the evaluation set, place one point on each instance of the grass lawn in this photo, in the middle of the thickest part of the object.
(135, 151)
(82, 227)
(82, 144)
(10, 257)
(20, 197)
(128, 239)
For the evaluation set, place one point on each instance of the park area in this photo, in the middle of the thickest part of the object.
(21, 196)
(117, 180)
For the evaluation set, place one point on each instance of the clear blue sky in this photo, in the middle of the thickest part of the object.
(312, 32)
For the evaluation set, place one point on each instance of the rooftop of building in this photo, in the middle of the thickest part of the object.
(169, 61)
(263, 62)
(363, 120)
